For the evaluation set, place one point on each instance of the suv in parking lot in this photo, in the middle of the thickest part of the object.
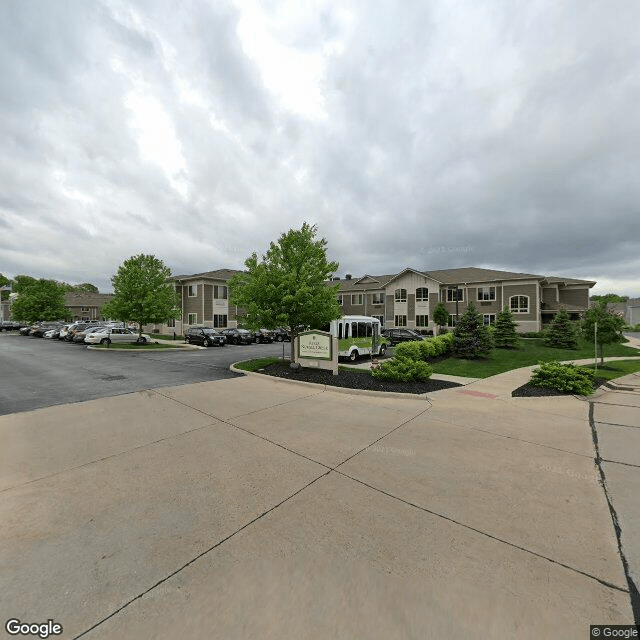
(238, 336)
(264, 335)
(206, 336)
(395, 336)
(281, 334)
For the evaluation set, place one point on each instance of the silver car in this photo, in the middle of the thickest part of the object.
(106, 335)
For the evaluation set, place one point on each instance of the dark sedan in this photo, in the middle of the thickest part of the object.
(205, 336)
(396, 336)
(238, 336)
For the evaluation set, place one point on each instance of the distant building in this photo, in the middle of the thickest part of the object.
(85, 305)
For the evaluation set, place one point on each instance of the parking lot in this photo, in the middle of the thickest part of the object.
(39, 373)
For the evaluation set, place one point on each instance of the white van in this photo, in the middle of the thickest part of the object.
(355, 334)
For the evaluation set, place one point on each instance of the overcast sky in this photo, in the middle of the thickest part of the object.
(426, 134)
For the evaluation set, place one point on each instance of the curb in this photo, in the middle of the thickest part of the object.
(115, 349)
(328, 387)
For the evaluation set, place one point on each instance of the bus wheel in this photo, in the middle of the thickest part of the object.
(353, 355)
(383, 349)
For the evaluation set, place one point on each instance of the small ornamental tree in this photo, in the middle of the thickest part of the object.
(143, 293)
(505, 334)
(441, 315)
(561, 332)
(471, 336)
(40, 300)
(610, 327)
(288, 286)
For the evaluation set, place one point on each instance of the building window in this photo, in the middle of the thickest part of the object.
(451, 322)
(377, 298)
(380, 319)
(489, 318)
(220, 321)
(171, 323)
(85, 309)
(193, 318)
(192, 291)
(356, 298)
(451, 295)
(219, 292)
(340, 302)
(401, 295)
(422, 294)
(519, 304)
(486, 293)
(401, 321)
(422, 321)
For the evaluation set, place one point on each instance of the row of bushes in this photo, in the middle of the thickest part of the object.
(409, 361)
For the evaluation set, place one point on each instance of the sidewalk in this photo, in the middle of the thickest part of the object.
(248, 507)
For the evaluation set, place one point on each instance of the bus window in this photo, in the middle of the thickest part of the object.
(346, 329)
(339, 330)
(369, 330)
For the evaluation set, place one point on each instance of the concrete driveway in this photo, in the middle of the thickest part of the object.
(258, 508)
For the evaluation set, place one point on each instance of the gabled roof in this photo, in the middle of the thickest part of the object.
(475, 274)
(217, 274)
(86, 299)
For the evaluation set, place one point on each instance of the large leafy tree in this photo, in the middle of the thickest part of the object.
(4, 281)
(142, 293)
(39, 300)
(561, 332)
(288, 285)
(609, 327)
(471, 337)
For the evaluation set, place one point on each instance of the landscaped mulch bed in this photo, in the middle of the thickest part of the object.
(529, 391)
(355, 380)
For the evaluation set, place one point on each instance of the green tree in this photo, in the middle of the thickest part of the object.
(288, 285)
(561, 332)
(142, 293)
(610, 297)
(610, 326)
(21, 283)
(505, 334)
(40, 300)
(441, 315)
(86, 286)
(4, 281)
(471, 336)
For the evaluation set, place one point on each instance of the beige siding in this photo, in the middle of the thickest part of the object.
(208, 303)
(574, 298)
(529, 290)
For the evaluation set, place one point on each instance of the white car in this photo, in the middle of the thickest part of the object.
(106, 335)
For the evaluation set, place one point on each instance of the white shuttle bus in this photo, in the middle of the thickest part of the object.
(355, 335)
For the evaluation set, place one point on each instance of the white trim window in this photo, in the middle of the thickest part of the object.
(452, 321)
(377, 298)
(220, 321)
(422, 294)
(519, 304)
(422, 321)
(401, 295)
(220, 292)
(171, 323)
(340, 300)
(452, 298)
(489, 318)
(192, 318)
(192, 291)
(486, 293)
(401, 321)
(356, 299)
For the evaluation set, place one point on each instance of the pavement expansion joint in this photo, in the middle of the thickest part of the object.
(632, 587)
(486, 534)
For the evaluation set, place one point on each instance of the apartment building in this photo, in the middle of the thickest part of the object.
(407, 299)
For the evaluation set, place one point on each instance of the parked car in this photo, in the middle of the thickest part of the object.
(206, 336)
(11, 325)
(52, 334)
(39, 330)
(238, 336)
(78, 326)
(281, 334)
(79, 336)
(395, 336)
(25, 331)
(107, 335)
(264, 335)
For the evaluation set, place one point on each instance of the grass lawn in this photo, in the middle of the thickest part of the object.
(135, 345)
(612, 370)
(529, 352)
(163, 336)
